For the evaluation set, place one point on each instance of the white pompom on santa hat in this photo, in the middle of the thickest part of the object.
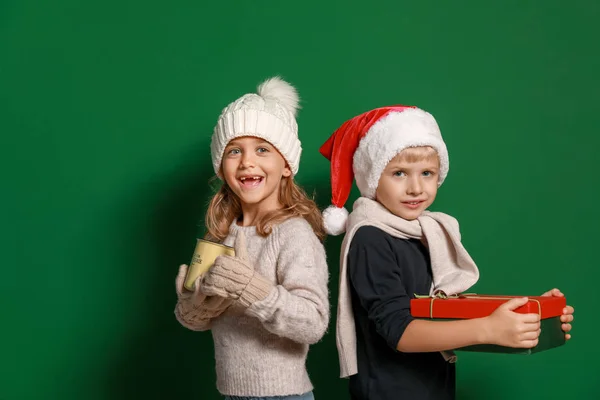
(363, 146)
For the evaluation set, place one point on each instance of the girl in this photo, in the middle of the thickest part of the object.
(269, 302)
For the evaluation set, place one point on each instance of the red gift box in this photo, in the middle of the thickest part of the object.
(466, 306)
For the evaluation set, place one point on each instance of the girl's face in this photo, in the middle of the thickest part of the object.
(253, 169)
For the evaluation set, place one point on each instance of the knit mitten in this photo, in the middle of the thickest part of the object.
(196, 307)
(235, 278)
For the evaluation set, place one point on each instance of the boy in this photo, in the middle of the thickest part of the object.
(393, 249)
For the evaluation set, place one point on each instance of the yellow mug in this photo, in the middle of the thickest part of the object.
(204, 257)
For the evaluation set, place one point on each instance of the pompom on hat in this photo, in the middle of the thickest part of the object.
(363, 146)
(269, 114)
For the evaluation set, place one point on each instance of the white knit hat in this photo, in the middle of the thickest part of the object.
(364, 145)
(270, 115)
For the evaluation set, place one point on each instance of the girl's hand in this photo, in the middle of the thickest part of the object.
(197, 300)
(505, 327)
(234, 277)
(567, 317)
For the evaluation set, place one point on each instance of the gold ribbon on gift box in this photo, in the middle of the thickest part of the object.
(441, 295)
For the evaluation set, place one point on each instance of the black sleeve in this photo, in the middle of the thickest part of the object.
(376, 277)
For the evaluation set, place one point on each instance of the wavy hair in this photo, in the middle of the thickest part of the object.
(225, 207)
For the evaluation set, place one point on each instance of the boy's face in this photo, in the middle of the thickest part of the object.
(406, 188)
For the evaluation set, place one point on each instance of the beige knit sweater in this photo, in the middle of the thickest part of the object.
(261, 350)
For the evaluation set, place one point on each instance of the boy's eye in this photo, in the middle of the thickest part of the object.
(234, 151)
(399, 173)
(427, 173)
(262, 150)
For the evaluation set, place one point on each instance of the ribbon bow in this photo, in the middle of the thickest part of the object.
(438, 294)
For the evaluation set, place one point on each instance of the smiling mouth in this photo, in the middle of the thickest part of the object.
(413, 204)
(250, 181)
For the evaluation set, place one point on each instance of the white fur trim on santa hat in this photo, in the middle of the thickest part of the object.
(390, 135)
(334, 220)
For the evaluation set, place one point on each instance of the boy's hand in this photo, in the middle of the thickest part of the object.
(505, 327)
(567, 316)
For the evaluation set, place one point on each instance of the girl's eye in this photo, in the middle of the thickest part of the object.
(233, 151)
(427, 173)
(262, 150)
(399, 173)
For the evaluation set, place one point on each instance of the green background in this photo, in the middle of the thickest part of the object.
(106, 112)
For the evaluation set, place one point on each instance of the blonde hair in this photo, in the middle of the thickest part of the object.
(416, 154)
(225, 207)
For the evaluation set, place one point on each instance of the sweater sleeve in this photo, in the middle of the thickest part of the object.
(298, 307)
(376, 278)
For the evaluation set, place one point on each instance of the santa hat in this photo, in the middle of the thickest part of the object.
(269, 114)
(363, 146)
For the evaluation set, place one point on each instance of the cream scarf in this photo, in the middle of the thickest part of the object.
(453, 269)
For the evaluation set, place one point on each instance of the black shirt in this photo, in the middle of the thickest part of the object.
(384, 273)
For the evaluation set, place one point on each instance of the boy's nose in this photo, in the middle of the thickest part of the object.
(414, 186)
